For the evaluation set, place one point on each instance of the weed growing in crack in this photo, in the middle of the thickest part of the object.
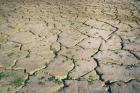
(26, 82)
(131, 66)
(46, 65)
(58, 81)
(78, 79)
(68, 77)
(53, 79)
(55, 53)
(107, 83)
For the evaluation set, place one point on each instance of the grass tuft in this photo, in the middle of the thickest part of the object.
(2, 75)
(17, 82)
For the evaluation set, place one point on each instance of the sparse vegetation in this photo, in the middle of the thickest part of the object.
(59, 46)
(125, 30)
(131, 66)
(55, 53)
(2, 75)
(90, 82)
(28, 56)
(58, 81)
(63, 61)
(79, 79)
(17, 82)
(52, 78)
(41, 83)
(10, 54)
(46, 65)
(42, 80)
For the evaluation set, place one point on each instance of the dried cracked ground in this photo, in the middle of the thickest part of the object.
(69, 46)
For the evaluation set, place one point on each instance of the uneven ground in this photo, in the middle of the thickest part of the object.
(69, 46)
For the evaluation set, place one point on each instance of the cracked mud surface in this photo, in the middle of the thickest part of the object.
(69, 46)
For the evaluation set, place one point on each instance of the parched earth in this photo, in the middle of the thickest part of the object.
(69, 46)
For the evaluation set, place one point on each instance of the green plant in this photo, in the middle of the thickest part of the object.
(131, 66)
(2, 75)
(41, 80)
(63, 61)
(55, 53)
(78, 79)
(41, 83)
(28, 56)
(58, 81)
(52, 78)
(125, 30)
(46, 65)
(90, 82)
(17, 82)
